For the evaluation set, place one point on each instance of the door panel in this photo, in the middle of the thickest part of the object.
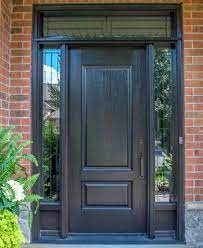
(106, 195)
(105, 107)
(106, 139)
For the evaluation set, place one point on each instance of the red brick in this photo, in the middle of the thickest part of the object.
(193, 7)
(197, 14)
(199, 197)
(16, 16)
(22, 8)
(198, 183)
(193, 36)
(198, 60)
(194, 175)
(194, 67)
(198, 91)
(189, 183)
(188, 44)
(194, 191)
(188, 198)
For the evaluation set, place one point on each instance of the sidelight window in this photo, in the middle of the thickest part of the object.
(164, 130)
(51, 123)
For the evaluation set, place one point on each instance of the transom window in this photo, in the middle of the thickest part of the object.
(101, 27)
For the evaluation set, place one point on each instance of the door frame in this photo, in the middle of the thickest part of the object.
(175, 41)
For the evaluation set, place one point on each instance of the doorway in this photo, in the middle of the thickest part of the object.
(107, 121)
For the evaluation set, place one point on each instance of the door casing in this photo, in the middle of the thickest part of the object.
(36, 108)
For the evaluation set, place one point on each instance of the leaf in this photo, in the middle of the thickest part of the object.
(7, 203)
(5, 133)
(7, 173)
(30, 181)
(30, 218)
(1, 205)
(30, 157)
(32, 198)
(16, 210)
(9, 189)
(23, 145)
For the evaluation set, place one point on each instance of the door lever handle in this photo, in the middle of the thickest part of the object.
(141, 165)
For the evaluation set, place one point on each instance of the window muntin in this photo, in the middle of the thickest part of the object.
(164, 131)
(51, 123)
(107, 27)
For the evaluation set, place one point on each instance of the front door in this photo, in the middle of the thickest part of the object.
(107, 172)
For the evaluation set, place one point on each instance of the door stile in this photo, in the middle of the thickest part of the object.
(180, 141)
(64, 122)
(150, 143)
(36, 127)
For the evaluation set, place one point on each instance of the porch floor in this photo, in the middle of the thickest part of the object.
(105, 246)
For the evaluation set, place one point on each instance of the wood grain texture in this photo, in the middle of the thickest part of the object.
(107, 135)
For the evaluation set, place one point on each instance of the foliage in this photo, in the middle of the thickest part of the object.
(162, 82)
(10, 233)
(54, 92)
(163, 116)
(15, 184)
(51, 141)
(163, 96)
(51, 146)
(163, 174)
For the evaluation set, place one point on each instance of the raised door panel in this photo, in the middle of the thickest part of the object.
(106, 195)
(106, 116)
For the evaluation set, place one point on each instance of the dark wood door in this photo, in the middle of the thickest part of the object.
(107, 133)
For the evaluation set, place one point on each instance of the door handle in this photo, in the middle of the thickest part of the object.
(141, 165)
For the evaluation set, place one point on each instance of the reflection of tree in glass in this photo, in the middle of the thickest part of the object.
(51, 139)
(162, 84)
(163, 175)
(50, 159)
(163, 115)
(51, 123)
(54, 92)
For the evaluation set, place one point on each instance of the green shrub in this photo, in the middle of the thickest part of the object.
(10, 233)
(15, 184)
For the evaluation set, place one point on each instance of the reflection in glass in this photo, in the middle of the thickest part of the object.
(51, 123)
(106, 27)
(164, 180)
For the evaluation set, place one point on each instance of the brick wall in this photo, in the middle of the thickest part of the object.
(193, 72)
(4, 59)
(20, 80)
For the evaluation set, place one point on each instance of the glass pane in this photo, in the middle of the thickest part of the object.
(101, 27)
(164, 179)
(158, 26)
(51, 123)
